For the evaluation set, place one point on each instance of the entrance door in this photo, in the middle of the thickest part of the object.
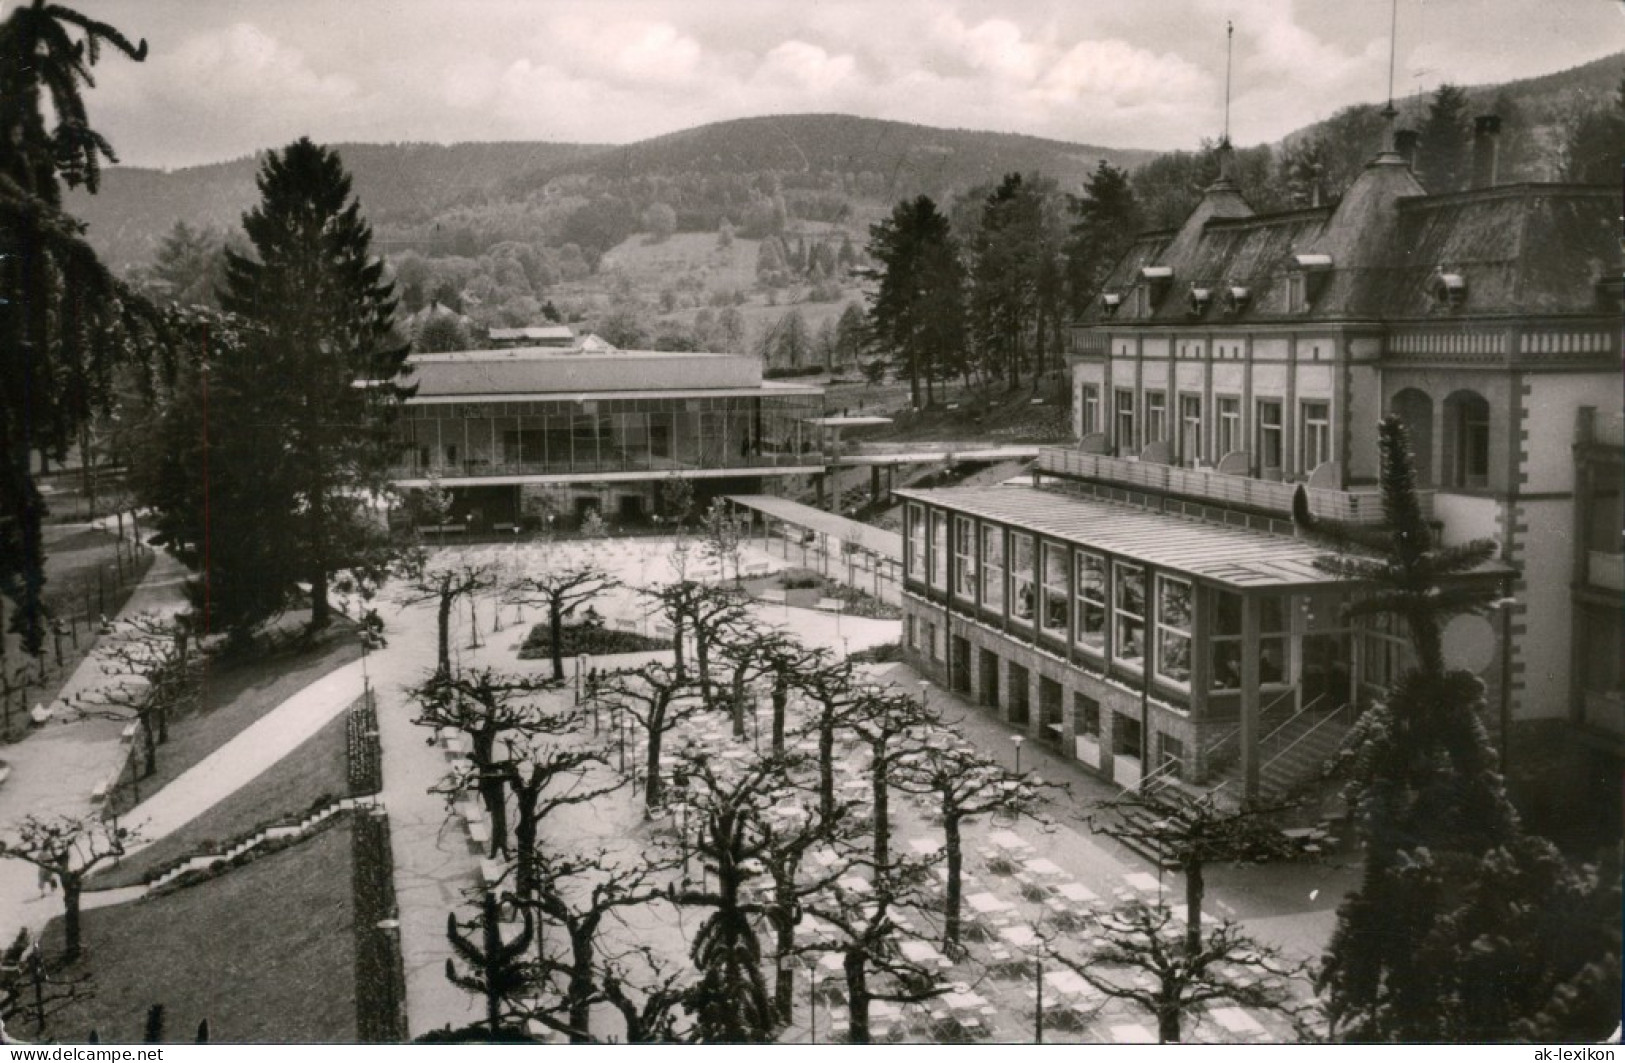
(990, 678)
(959, 670)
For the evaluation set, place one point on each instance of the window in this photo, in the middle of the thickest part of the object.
(1085, 716)
(1128, 636)
(1125, 422)
(1315, 446)
(939, 550)
(964, 558)
(1126, 732)
(1057, 613)
(1091, 570)
(1022, 601)
(1174, 629)
(1089, 403)
(1387, 653)
(1170, 755)
(993, 568)
(1229, 426)
(1156, 417)
(1225, 644)
(911, 628)
(916, 542)
(1269, 433)
(1473, 447)
(1190, 429)
(933, 642)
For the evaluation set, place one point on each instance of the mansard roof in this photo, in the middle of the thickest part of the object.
(1517, 249)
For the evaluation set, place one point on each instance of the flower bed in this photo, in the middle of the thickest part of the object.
(363, 754)
(580, 639)
(380, 980)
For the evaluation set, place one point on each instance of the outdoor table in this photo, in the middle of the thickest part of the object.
(1009, 840)
(1066, 983)
(492, 872)
(987, 904)
(1076, 891)
(1237, 1021)
(1022, 937)
(853, 884)
(925, 846)
(1142, 881)
(1043, 866)
(923, 952)
(1131, 1033)
(964, 1001)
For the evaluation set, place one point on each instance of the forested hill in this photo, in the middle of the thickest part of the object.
(401, 183)
(812, 149)
(448, 196)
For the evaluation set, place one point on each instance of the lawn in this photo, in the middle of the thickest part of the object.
(233, 693)
(581, 638)
(265, 953)
(313, 772)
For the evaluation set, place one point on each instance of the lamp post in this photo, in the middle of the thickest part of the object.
(1018, 739)
(925, 693)
(679, 782)
(581, 676)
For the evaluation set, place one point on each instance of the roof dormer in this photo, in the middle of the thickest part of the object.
(1156, 281)
(1110, 302)
(1236, 298)
(1200, 300)
(1449, 290)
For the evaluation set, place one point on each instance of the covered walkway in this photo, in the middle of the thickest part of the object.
(864, 556)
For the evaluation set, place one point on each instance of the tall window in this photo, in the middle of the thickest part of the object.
(1269, 433)
(964, 558)
(1225, 645)
(1190, 429)
(1089, 403)
(1056, 611)
(1125, 422)
(1229, 408)
(1023, 600)
(993, 568)
(1386, 653)
(1315, 444)
(1473, 445)
(939, 550)
(1128, 636)
(1156, 417)
(1091, 574)
(1174, 629)
(916, 541)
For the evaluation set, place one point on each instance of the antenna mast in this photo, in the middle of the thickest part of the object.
(1393, 46)
(1229, 41)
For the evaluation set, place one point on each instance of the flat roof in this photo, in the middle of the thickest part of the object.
(768, 389)
(867, 536)
(1239, 557)
(848, 422)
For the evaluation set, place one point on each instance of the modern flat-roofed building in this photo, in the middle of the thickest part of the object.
(518, 434)
(1229, 363)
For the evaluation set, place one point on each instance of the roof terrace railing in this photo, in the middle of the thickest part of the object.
(1362, 505)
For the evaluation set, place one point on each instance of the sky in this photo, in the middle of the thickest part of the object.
(226, 78)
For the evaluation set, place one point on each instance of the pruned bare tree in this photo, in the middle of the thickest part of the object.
(444, 581)
(751, 652)
(543, 776)
(578, 893)
(835, 698)
(658, 699)
(966, 783)
(487, 707)
(710, 611)
(1143, 958)
(146, 658)
(66, 850)
(561, 591)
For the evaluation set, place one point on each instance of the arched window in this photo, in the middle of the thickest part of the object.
(1415, 408)
(1467, 439)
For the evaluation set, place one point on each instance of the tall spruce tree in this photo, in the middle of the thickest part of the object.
(1464, 926)
(918, 312)
(64, 320)
(1443, 158)
(1106, 219)
(325, 377)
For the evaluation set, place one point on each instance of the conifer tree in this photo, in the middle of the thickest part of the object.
(64, 318)
(918, 312)
(1443, 156)
(1464, 926)
(327, 364)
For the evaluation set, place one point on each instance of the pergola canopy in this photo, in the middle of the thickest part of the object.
(866, 536)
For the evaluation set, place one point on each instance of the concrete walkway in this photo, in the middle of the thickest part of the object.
(54, 769)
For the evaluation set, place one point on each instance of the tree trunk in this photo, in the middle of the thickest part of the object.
(321, 610)
(443, 645)
(555, 618)
(1195, 887)
(582, 987)
(857, 997)
(781, 700)
(702, 663)
(678, 665)
(149, 748)
(73, 943)
(879, 772)
(651, 791)
(495, 795)
(953, 893)
(826, 766)
(1168, 1024)
(784, 975)
(738, 703)
(524, 841)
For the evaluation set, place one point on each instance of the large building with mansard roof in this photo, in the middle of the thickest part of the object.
(1147, 608)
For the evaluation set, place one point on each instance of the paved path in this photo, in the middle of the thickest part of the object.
(54, 769)
(240, 760)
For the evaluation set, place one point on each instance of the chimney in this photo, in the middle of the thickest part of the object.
(1405, 145)
(1486, 149)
